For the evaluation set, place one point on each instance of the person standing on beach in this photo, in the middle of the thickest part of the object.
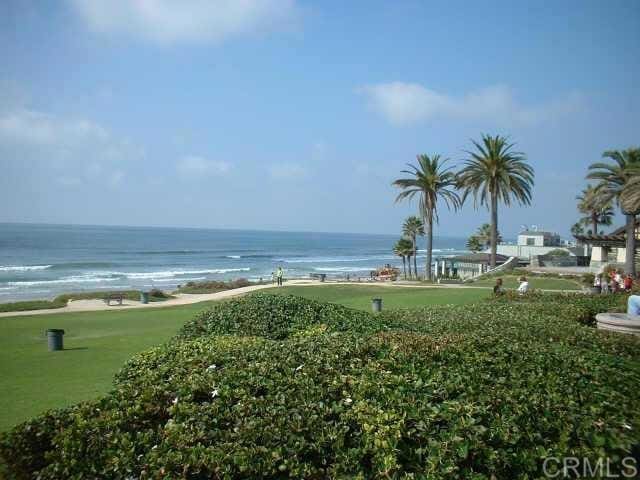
(279, 275)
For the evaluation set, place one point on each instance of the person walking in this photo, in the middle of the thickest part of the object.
(279, 275)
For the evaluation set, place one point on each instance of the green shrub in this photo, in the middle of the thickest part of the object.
(275, 317)
(214, 286)
(155, 295)
(480, 391)
(32, 305)
(558, 252)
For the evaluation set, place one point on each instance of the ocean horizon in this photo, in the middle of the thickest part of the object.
(45, 260)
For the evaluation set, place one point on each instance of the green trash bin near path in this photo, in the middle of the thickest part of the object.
(144, 297)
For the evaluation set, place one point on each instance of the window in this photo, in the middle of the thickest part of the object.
(531, 241)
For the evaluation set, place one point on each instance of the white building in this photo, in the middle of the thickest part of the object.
(532, 243)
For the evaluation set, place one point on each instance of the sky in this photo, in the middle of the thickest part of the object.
(298, 115)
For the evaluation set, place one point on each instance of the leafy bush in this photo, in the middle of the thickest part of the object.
(155, 295)
(275, 317)
(481, 391)
(32, 305)
(214, 286)
(558, 252)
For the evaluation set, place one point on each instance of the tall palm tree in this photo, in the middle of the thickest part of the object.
(495, 173)
(616, 182)
(412, 228)
(431, 180)
(401, 249)
(595, 209)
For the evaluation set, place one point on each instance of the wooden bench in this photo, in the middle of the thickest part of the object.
(119, 297)
(318, 276)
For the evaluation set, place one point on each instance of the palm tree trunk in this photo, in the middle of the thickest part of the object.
(429, 234)
(594, 220)
(630, 231)
(415, 256)
(404, 266)
(409, 262)
(494, 228)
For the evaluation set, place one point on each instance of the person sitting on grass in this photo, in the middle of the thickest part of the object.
(497, 288)
(524, 286)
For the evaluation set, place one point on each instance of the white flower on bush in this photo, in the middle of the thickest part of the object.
(348, 401)
(175, 401)
(214, 393)
(213, 366)
(299, 367)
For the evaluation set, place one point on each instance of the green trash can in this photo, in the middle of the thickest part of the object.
(144, 297)
(54, 339)
(376, 305)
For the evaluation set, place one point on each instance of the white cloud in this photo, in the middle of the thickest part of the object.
(191, 21)
(194, 166)
(44, 136)
(284, 171)
(409, 103)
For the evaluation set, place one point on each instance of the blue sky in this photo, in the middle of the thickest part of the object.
(297, 115)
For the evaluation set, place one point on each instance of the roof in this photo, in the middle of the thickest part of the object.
(530, 233)
(479, 258)
(615, 238)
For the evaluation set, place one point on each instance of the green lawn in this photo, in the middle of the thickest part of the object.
(543, 283)
(97, 344)
(359, 296)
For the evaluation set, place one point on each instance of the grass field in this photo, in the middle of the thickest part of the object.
(97, 344)
(359, 296)
(543, 283)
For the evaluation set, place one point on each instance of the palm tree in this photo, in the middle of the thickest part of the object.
(595, 209)
(484, 235)
(401, 248)
(412, 228)
(576, 229)
(431, 181)
(616, 181)
(474, 244)
(495, 173)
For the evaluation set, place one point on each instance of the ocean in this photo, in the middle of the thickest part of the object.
(40, 261)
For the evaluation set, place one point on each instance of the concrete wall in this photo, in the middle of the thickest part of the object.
(525, 252)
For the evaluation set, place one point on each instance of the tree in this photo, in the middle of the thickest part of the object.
(576, 229)
(484, 235)
(474, 244)
(616, 182)
(595, 209)
(495, 173)
(402, 248)
(431, 180)
(412, 229)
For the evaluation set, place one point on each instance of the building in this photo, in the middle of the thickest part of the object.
(533, 238)
(534, 243)
(471, 265)
(609, 248)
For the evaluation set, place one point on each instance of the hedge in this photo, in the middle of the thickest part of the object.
(276, 317)
(481, 391)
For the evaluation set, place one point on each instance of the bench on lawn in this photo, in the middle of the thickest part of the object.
(116, 297)
(318, 276)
